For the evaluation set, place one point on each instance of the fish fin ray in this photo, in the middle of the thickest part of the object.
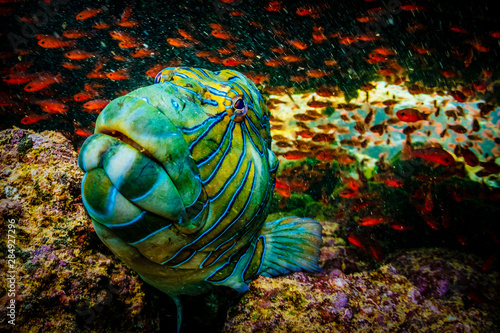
(292, 245)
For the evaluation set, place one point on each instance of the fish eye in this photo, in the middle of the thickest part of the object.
(240, 108)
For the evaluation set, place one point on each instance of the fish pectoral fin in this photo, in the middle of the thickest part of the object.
(292, 244)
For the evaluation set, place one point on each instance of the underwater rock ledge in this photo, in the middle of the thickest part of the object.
(68, 281)
(424, 290)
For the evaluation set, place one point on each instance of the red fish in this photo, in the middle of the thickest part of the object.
(221, 34)
(401, 227)
(42, 82)
(52, 106)
(356, 240)
(295, 155)
(179, 42)
(83, 132)
(88, 13)
(19, 78)
(298, 44)
(389, 179)
(372, 220)
(76, 34)
(31, 119)
(79, 54)
(96, 104)
(121, 36)
(51, 42)
(235, 61)
(70, 66)
(121, 74)
(410, 115)
(433, 154)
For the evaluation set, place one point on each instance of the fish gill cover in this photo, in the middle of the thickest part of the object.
(384, 114)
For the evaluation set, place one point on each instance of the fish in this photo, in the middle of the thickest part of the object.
(121, 74)
(32, 119)
(410, 115)
(177, 42)
(79, 54)
(43, 82)
(432, 154)
(96, 104)
(186, 229)
(52, 106)
(89, 12)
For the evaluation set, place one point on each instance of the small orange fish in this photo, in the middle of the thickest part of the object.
(433, 154)
(42, 82)
(187, 35)
(295, 155)
(318, 104)
(356, 240)
(272, 62)
(88, 13)
(96, 104)
(79, 54)
(127, 24)
(178, 42)
(101, 25)
(152, 71)
(389, 179)
(31, 119)
(83, 132)
(121, 74)
(140, 53)
(52, 106)
(292, 58)
(75, 34)
(70, 66)
(19, 78)
(410, 115)
(235, 61)
(86, 94)
(55, 43)
(129, 44)
(401, 227)
(121, 36)
(317, 73)
(221, 34)
(298, 44)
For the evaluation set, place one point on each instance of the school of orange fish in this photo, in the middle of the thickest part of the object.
(339, 93)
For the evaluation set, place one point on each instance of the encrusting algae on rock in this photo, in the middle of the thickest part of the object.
(383, 300)
(66, 281)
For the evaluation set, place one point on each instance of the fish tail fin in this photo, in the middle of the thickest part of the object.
(291, 244)
(178, 305)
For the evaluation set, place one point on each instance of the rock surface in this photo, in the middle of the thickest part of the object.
(66, 280)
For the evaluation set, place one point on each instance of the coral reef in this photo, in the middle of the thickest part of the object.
(66, 280)
(425, 290)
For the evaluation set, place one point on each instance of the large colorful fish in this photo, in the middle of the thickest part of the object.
(178, 180)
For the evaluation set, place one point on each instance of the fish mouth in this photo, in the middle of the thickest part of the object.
(131, 142)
